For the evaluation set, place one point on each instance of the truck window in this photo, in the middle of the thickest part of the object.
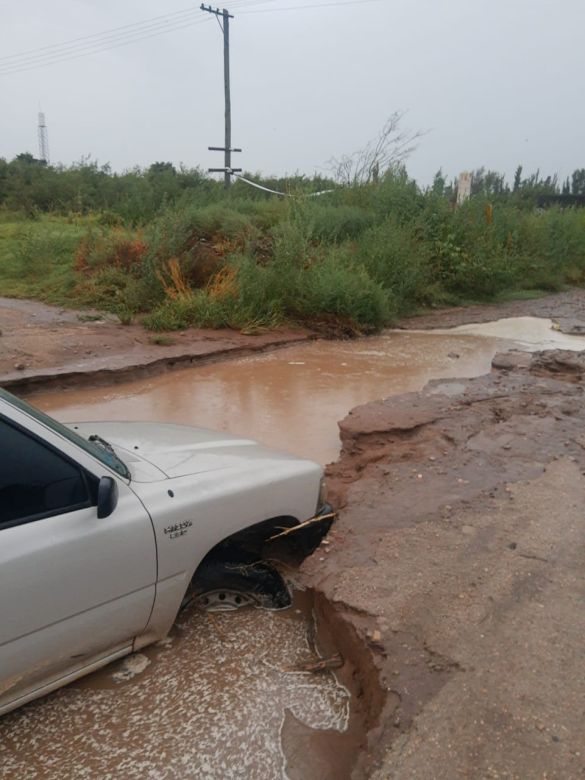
(109, 458)
(35, 481)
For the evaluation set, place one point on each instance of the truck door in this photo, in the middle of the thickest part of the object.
(74, 588)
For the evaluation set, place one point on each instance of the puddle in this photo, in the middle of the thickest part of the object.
(212, 701)
(292, 399)
(528, 333)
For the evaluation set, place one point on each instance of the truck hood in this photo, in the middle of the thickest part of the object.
(154, 451)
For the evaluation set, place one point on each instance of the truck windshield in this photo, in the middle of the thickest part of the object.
(102, 451)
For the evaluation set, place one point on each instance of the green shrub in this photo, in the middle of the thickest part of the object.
(335, 224)
(336, 286)
(395, 259)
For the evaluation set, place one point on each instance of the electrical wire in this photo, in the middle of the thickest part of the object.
(277, 192)
(105, 33)
(311, 6)
(98, 48)
(133, 33)
(108, 39)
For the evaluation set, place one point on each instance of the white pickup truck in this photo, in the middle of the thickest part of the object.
(106, 529)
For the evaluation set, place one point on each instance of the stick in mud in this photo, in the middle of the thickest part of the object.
(300, 526)
(319, 665)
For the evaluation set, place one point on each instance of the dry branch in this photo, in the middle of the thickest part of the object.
(300, 526)
(387, 151)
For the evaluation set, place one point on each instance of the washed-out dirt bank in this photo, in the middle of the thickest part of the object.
(42, 346)
(458, 558)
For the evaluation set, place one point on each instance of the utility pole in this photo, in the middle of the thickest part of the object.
(227, 147)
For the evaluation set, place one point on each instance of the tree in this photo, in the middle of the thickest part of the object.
(518, 178)
(578, 182)
(388, 150)
(487, 182)
(162, 167)
(28, 159)
(439, 183)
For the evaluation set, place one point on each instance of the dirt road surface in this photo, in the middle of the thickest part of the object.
(41, 345)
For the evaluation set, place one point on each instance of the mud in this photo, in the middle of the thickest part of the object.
(566, 308)
(460, 549)
(42, 346)
(290, 399)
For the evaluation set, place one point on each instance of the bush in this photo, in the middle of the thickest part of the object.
(336, 286)
(395, 259)
(117, 248)
(335, 224)
(264, 296)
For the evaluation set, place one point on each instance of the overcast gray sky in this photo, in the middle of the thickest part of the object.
(495, 82)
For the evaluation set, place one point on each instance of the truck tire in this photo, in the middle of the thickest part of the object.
(223, 585)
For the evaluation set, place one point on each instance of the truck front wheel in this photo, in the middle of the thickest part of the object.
(220, 586)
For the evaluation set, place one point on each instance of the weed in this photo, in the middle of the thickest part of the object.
(161, 340)
(90, 317)
(125, 316)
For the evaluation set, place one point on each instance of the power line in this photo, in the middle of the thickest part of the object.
(278, 192)
(98, 48)
(308, 7)
(113, 38)
(40, 59)
(106, 33)
(89, 44)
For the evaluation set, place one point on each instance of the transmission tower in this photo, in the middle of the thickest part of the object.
(43, 139)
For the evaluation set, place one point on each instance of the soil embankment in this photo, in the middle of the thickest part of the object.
(459, 559)
(41, 345)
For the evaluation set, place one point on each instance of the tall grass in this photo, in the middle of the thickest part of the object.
(351, 261)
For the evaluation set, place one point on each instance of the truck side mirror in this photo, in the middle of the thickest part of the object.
(107, 497)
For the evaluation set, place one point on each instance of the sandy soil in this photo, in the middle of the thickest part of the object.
(459, 558)
(41, 345)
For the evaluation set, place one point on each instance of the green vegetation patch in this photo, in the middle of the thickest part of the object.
(172, 249)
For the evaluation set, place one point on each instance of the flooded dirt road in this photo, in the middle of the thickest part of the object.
(292, 398)
(214, 700)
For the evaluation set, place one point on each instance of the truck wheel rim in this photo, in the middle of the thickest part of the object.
(223, 600)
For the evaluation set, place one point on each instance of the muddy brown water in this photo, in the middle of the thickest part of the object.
(213, 699)
(208, 702)
(292, 398)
